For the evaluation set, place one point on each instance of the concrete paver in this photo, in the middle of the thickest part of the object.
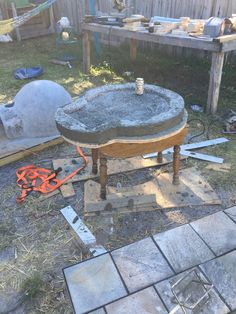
(218, 231)
(213, 306)
(143, 302)
(94, 283)
(222, 273)
(183, 248)
(141, 264)
(231, 212)
(98, 311)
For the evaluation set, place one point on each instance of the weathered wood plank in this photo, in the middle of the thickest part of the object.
(27, 152)
(67, 190)
(115, 166)
(193, 190)
(188, 42)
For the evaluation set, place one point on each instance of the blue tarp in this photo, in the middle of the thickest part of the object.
(28, 73)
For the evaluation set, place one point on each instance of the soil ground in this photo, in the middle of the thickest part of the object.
(42, 240)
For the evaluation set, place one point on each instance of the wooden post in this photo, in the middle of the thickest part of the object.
(95, 160)
(133, 49)
(159, 157)
(103, 177)
(176, 163)
(52, 20)
(215, 81)
(86, 52)
(14, 14)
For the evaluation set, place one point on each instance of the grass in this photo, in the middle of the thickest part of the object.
(186, 75)
(32, 286)
(37, 229)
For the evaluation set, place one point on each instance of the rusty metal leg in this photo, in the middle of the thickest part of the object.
(176, 163)
(95, 160)
(159, 157)
(103, 176)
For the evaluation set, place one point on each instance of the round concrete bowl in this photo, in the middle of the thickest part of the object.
(114, 113)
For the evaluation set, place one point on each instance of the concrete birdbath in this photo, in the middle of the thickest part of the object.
(115, 122)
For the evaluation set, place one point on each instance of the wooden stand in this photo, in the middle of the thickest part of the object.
(127, 150)
(218, 46)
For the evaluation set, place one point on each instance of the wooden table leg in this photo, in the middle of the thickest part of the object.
(103, 176)
(133, 49)
(215, 81)
(159, 157)
(95, 160)
(86, 52)
(176, 163)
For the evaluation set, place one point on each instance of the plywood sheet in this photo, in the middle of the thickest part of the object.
(67, 190)
(159, 192)
(114, 166)
(11, 151)
(117, 198)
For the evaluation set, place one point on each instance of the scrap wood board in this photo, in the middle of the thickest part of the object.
(155, 194)
(25, 148)
(114, 166)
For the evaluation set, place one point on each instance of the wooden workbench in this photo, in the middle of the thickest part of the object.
(218, 46)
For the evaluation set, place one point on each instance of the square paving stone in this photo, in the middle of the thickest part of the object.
(213, 306)
(222, 273)
(143, 302)
(231, 212)
(183, 248)
(98, 311)
(218, 231)
(93, 283)
(141, 264)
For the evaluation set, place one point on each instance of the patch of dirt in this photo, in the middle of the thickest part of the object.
(45, 244)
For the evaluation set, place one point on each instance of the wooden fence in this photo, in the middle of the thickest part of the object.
(202, 9)
(199, 9)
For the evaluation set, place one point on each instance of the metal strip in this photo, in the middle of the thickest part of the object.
(192, 146)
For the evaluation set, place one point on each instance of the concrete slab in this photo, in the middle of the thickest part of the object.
(218, 231)
(146, 301)
(222, 273)
(90, 121)
(214, 305)
(231, 212)
(94, 283)
(141, 264)
(183, 248)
